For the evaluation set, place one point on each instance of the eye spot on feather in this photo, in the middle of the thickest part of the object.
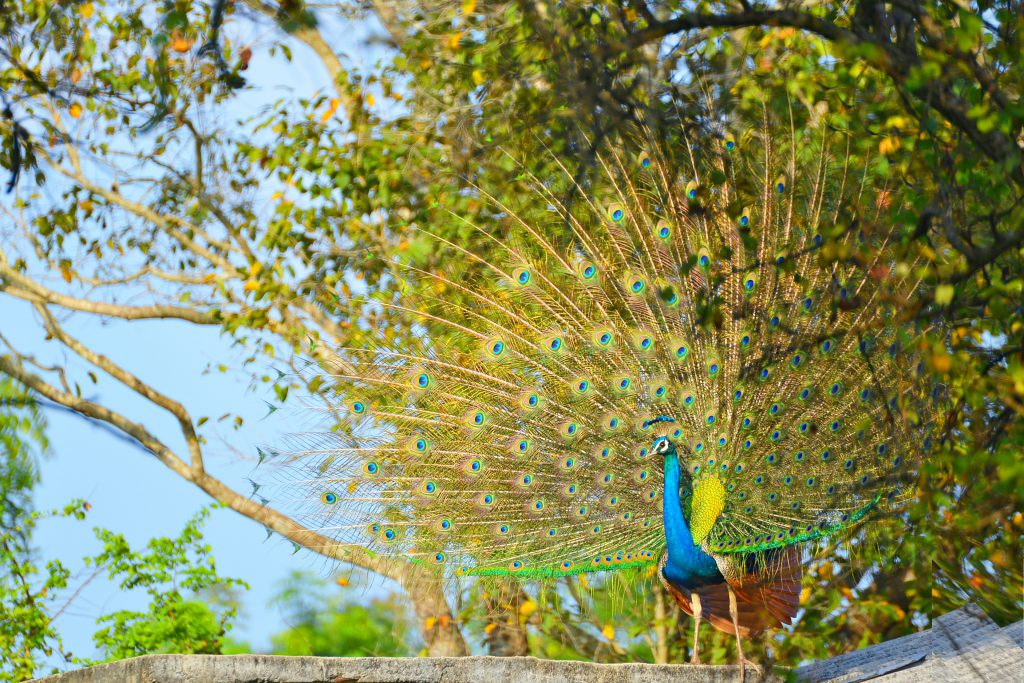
(389, 534)
(515, 565)
(423, 380)
(663, 230)
(521, 276)
(691, 190)
(587, 271)
(358, 407)
(495, 348)
(329, 498)
(444, 525)
(371, 468)
(439, 558)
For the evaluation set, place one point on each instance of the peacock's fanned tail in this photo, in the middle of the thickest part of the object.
(725, 289)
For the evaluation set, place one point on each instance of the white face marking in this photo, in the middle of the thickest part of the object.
(661, 446)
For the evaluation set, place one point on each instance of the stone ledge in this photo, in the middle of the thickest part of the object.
(279, 669)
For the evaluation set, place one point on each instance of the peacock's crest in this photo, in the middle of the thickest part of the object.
(734, 292)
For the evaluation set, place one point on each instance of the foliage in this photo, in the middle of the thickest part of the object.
(29, 598)
(169, 571)
(324, 622)
(279, 229)
(174, 572)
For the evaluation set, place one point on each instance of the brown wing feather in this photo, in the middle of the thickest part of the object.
(765, 599)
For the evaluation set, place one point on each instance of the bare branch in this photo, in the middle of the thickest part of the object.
(17, 285)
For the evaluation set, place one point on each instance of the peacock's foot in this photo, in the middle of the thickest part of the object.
(747, 664)
(694, 659)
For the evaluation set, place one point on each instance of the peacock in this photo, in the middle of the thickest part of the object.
(695, 364)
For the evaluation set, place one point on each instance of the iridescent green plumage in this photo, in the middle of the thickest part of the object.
(726, 289)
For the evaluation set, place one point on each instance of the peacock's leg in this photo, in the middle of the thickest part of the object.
(695, 604)
(734, 614)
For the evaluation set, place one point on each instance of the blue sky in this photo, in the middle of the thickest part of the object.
(130, 491)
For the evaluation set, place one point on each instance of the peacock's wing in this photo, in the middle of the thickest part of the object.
(507, 435)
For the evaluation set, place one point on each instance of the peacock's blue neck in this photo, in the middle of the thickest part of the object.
(688, 565)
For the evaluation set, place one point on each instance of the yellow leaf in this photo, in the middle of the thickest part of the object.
(87, 10)
(936, 593)
(889, 145)
(277, 196)
(527, 608)
(490, 628)
(343, 581)
(76, 75)
(584, 581)
(468, 6)
(944, 294)
(335, 102)
(805, 595)
(608, 632)
(630, 14)
(251, 285)
(429, 623)
(478, 76)
(942, 362)
(454, 40)
(326, 116)
(65, 272)
(254, 268)
(75, 110)
(370, 100)
(847, 593)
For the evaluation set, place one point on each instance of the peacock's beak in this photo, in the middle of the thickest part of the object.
(707, 504)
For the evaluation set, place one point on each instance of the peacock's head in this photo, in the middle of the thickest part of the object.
(663, 446)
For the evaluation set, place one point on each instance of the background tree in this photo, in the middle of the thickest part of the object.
(157, 203)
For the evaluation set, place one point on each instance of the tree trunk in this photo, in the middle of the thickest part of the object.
(439, 627)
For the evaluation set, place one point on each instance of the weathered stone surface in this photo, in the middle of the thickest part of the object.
(275, 669)
(964, 646)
